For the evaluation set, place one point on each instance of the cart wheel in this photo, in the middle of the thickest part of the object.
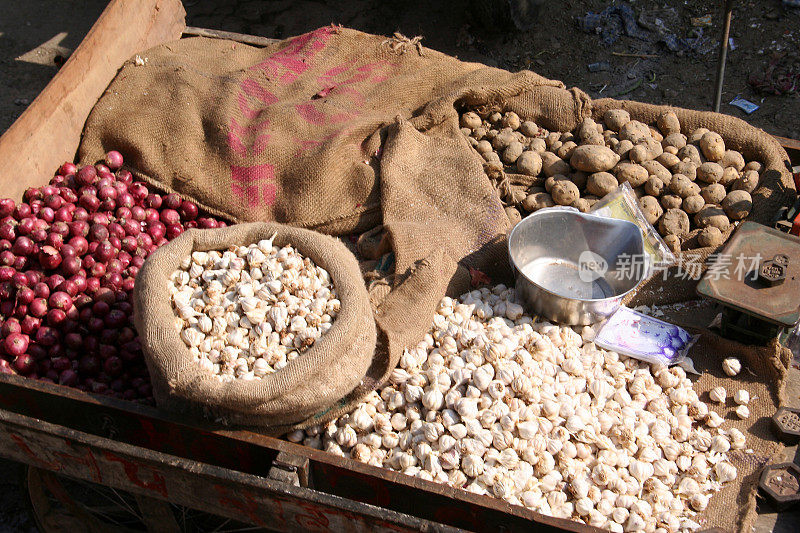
(62, 504)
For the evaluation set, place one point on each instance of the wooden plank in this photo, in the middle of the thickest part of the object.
(792, 148)
(215, 490)
(255, 40)
(252, 452)
(48, 132)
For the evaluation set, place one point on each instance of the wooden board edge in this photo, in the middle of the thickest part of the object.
(49, 130)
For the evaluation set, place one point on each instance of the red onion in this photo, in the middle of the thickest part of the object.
(56, 317)
(19, 279)
(22, 211)
(7, 258)
(102, 169)
(29, 324)
(98, 232)
(138, 191)
(70, 266)
(188, 210)
(41, 290)
(24, 364)
(6, 273)
(113, 160)
(68, 377)
(15, 344)
(54, 281)
(47, 336)
(125, 177)
(54, 240)
(153, 201)
(22, 246)
(38, 307)
(80, 214)
(49, 257)
(60, 300)
(7, 207)
(25, 295)
(67, 169)
(86, 175)
(10, 326)
(89, 202)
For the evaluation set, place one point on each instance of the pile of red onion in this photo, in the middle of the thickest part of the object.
(69, 255)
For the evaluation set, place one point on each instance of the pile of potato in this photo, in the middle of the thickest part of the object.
(683, 182)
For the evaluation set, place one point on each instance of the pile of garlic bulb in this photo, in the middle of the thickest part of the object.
(246, 312)
(496, 403)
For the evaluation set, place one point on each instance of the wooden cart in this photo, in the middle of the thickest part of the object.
(157, 457)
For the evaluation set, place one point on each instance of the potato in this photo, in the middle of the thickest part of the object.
(654, 168)
(681, 185)
(552, 165)
(650, 208)
(472, 142)
(677, 140)
(671, 201)
(712, 215)
(668, 160)
(696, 135)
(479, 133)
(579, 178)
(686, 168)
(470, 120)
(713, 194)
(483, 147)
(588, 133)
(690, 152)
(567, 136)
(529, 128)
(466, 131)
(634, 174)
(674, 222)
(668, 123)
(492, 156)
(513, 215)
(582, 205)
(538, 145)
(494, 118)
(654, 186)
(512, 152)
(734, 159)
(713, 146)
(565, 192)
(510, 120)
(656, 135)
(754, 165)
(615, 119)
(529, 163)
(552, 138)
(491, 134)
(537, 201)
(737, 204)
(748, 182)
(639, 154)
(710, 236)
(549, 182)
(673, 242)
(671, 150)
(709, 172)
(592, 158)
(634, 131)
(601, 183)
(623, 148)
(566, 150)
(729, 175)
(503, 139)
(693, 204)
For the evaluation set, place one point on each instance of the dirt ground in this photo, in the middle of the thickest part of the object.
(36, 35)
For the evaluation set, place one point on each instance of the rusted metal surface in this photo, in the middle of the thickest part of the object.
(781, 485)
(740, 290)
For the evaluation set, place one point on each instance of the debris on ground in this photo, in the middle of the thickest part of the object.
(780, 77)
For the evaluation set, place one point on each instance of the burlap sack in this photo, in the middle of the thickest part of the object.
(312, 382)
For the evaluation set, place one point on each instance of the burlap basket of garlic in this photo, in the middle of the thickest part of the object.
(256, 324)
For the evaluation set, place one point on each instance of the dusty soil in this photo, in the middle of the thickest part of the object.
(558, 49)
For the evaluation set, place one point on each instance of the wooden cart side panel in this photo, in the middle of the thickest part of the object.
(48, 132)
(215, 490)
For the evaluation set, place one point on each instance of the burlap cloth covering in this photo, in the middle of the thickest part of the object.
(338, 131)
(323, 374)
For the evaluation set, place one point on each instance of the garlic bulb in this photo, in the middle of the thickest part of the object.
(248, 311)
(717, 394)
(743, 412)
(741, 397)
(731, 366)
(537, 415)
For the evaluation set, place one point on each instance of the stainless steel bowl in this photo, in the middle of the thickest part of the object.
(575, 268)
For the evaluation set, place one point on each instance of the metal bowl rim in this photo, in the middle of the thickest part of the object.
(518, 271)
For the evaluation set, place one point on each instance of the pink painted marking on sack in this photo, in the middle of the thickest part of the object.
(252, 88)
(312, 115)
(238, 135)
(254, 184)
(288, 63)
